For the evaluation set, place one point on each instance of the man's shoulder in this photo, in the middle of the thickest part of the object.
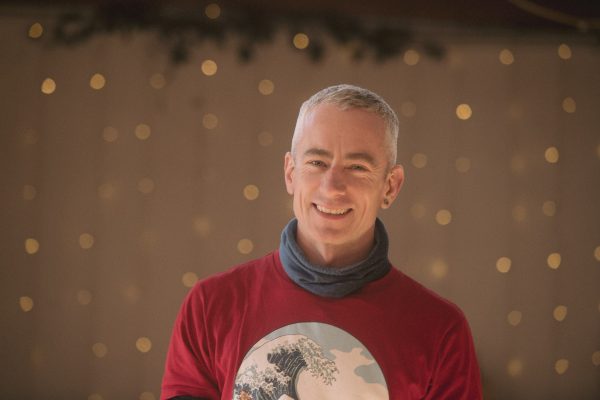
(240, 274)
(418, 296)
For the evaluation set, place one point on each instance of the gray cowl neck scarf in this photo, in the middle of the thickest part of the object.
(333, 282)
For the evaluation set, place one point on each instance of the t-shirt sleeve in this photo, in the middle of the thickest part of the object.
(456, 375)
(189, 364)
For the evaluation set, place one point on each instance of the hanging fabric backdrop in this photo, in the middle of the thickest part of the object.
(126, 178)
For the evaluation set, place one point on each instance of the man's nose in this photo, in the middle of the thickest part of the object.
(334, 181)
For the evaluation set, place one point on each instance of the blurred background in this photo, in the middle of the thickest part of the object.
(142, 144)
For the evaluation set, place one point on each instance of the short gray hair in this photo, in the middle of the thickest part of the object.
(349, 97)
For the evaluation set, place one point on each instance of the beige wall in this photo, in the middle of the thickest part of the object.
(61, 179)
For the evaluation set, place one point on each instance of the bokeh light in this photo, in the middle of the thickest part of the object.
(464, 112)
(157, 81)
(97, 81)
(143, 344)
(36, 30)
(553, 260)
(251, 192)
(26, 303)
(564, 52)
(142, 131)
(29, 192)
(514, 367)
(419, 160)
(443, 217)
(551, 155)
(503, 264)
(561, 366)
(301, 41)
(48, 86)
(99, 349)
(210, 121)
(110, 134)
(32, 246)
(411, 57)
(245, 246)
(189, 279)
(560, 313)
(209, 67)
(506, 57)
(569, 105)
(212, 11)
(514, 317)
(266, 87)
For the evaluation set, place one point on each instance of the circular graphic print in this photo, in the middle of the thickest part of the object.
(308, 361)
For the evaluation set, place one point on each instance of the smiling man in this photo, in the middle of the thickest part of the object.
(326, 316)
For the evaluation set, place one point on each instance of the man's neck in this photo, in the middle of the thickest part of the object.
(335, 256)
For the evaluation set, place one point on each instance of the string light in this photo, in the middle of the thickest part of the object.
(439, 269)
(301, 41)
(97, 81)
(26, 303)
(189, 279)
(142, 131)
(245, 246)
(561, 366)
(503, 264)
(266, 87)
(36, 31)
(551, 155)
(464, 112)
(213, 11)
(514, 367)
(86, 241)
(411, 57)
(251, 192)
(419, 160)
(209, 67)
(143, 344)
(32, 246)
(48, 86)
(564, 52)
(443, 217)
(569, 105)
(560, 313)
(506, 57)
(210, 121)
(553, 260)
(514, 317)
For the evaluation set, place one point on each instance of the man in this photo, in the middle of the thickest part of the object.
(326, 316)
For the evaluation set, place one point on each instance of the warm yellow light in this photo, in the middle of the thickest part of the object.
(146, 186)
(561, 366)
(464, 112)
(86, 241)
(26, 303)
(29, 192)
(439, 269)
(251, 192)
(514, 367)
(110, 134)
(301, 41)
(266, 87)
(142, 131)
(97, 81)
(503, 264)
(514, 317)
(48, 86)
(95, 396)
(143, 344)
(417, 210)
(463, 164)
(157, 81)
(596, 358)
(411, 57)
(202, 226)
(265, 139)
(443, 217)
(106, 191)
(597, 253)
(554, 260)
(549, 208)
(84, 297)
(213, 11)
(147, 396)
(506, 57)
(419, 160)
(408, 109)
(36, 31)
(569, 105)
(551, 155)
(189, 279)
(99, 350)
(560, 313)
(209, 67)
(564, 52)
(245, 246)
(32, 246)
(210, 121)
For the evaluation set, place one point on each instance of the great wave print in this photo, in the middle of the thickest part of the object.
(307, 361)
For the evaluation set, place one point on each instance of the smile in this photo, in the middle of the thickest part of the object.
(340, 211)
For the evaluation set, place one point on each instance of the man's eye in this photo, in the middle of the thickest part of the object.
(357, 167)
(316, 163)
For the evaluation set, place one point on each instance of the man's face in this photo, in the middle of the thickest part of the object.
(339, 176)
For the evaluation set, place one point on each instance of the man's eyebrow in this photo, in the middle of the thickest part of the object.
(314, 151)
(358, 156)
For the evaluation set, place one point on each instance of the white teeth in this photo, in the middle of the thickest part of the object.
(334, 212)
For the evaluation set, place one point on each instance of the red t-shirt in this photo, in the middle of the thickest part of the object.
(252, 333)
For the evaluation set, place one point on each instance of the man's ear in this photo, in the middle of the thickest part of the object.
(393, 184)
(288, 172)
